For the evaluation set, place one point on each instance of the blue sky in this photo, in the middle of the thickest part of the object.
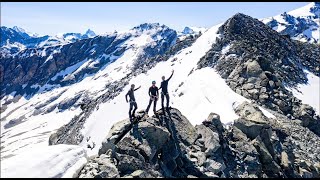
(57, 17)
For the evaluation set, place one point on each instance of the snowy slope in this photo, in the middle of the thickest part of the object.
(309, 93)
(300, 24)
(305, 10)
(51, 161)
(204, 92)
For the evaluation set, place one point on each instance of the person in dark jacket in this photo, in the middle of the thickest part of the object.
(154, 95)
(132, 101)
(165, 92)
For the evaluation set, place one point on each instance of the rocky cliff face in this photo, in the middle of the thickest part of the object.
(168, 145)
(28, 70)
(258, 63)
(37, 67)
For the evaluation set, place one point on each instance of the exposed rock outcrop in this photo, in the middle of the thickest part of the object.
(167, 145)
(260, 64)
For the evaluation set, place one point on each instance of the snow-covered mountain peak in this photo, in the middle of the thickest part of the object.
(300, 24)
(190, 31)
(187, 30)
(311, 10)
(151, 32)
(24, 32)
(146, 26)
(90, 33)
(19, 29)
(193, 30)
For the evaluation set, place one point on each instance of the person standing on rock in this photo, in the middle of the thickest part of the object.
(164, 92)
(132, 101)
(154, 96)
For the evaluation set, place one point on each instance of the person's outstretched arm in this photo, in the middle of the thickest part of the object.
(137, 88)
(170, 76)
(157, 92)
(127, 96)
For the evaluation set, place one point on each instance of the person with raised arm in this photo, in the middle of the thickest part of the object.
(132, 101)
(165, 92)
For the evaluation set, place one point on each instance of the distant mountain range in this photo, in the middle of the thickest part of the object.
(16, 39)
(301, 24)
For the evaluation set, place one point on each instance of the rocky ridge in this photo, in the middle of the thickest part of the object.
(28, 70)
(168, 145)
(259, 63)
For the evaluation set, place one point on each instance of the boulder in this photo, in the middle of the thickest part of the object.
(263, 97)
(128, 164)
(305, 173)
(253, 68)
(254, 93)
(248, 86)
(101, 167)
(117, 130)
(214, 166)
(153, 136)
(211, 175)
(210, 139)
(214, 119)
(251, 113)
(250, 128)
(271, 84)
(284, 159)
(270, 166)
(181, 126)
(201, 157)
(305, 113)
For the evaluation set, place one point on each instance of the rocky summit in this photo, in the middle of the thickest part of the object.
(259, 63)
(168, 145)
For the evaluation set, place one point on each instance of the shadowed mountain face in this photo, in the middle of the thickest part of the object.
(30, 69)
